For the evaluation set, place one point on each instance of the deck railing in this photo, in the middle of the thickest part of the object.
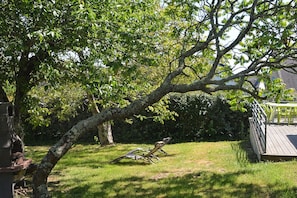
(259, 119)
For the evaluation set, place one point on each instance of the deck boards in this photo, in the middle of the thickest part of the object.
(281, 141)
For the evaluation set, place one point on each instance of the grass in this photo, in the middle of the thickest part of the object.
(212, 169)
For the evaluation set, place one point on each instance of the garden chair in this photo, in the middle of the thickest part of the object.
(157, 148)
(283, 114)
(269, 112)
(149, 155)
(292, 115)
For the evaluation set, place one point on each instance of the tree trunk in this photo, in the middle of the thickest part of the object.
(57, 151)
(105, 134)
(104, 129)
(3, 96)
(28, 67)
(22, 88)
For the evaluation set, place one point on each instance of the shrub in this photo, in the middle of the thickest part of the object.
(201, 118)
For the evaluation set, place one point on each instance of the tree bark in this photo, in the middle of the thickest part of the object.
(3, 96)
(105, 134)
(28, 67)
(22, 88)
(104, 129)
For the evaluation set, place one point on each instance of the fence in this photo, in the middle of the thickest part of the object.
(259, 121)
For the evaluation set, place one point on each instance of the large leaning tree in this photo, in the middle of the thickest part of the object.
(207, 46)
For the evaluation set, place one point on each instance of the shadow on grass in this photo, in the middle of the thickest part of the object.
(127, 162)
(198, 184)
(131, 162)
(247, 147)
(244, 152)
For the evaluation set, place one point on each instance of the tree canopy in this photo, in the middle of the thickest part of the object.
(53, 44)
(136, 52)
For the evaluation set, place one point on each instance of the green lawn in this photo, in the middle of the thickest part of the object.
(213, 169)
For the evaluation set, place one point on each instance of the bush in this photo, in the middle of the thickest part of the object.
(201, 118)
(56, 129)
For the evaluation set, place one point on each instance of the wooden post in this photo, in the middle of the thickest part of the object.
(6, 122)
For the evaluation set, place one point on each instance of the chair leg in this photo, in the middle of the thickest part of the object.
(290, 116)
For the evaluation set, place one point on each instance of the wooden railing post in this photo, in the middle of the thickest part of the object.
(6, 178)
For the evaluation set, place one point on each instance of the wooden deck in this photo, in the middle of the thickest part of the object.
(274, 142)
(281, 142)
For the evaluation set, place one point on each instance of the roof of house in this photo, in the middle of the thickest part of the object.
(289, 76)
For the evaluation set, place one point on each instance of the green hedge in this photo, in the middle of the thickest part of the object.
(201, 118)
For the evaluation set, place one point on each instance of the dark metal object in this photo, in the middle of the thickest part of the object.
(6, 129)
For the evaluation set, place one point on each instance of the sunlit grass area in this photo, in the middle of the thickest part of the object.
(212, 169)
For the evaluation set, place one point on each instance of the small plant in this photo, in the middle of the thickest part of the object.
(96, 139)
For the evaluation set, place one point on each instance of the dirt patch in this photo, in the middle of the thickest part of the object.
(160, 176)
(182, 171)
(173, 173)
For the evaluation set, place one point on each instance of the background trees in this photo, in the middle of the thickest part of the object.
(129, 55)
(48, 45)
(34, 38)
